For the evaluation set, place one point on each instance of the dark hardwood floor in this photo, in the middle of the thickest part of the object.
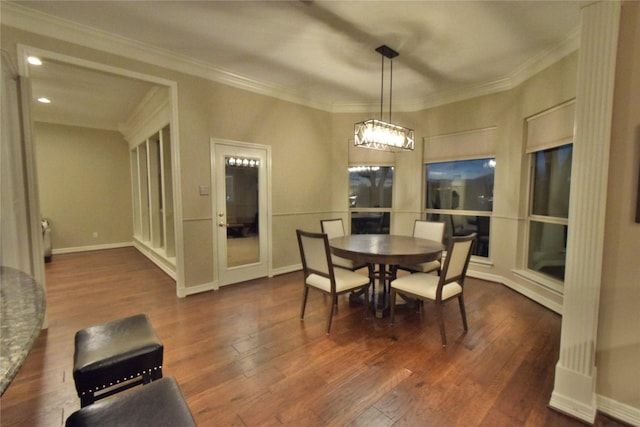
(242, 356)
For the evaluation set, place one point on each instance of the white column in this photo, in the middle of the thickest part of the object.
(575, 380)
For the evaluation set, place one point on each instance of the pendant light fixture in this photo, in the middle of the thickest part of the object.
(378, 134)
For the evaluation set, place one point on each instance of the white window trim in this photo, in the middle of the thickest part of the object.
(530, 274)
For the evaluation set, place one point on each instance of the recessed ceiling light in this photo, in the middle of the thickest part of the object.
(34, 60)
(44, 100)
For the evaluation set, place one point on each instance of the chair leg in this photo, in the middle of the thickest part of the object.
(367, 306)
(372, 276)
(463, 312)
(441, 323)
(331, 307)
(305, 292)
(392, 303)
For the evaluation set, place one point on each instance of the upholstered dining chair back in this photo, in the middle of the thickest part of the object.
(458, 256)
(335, 228)
(314, 249)
(320, 275)
(429, 230)
(332, 227)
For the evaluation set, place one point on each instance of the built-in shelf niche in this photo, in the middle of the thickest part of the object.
(153, 219)
(148, 132)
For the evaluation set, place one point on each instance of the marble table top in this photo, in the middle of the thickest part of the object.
(22, 306)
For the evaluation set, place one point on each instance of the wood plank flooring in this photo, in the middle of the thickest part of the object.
(242, 356)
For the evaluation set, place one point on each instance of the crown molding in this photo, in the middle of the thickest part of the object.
(14, 15)
(538, 63)
(36, 22)
(527, 70)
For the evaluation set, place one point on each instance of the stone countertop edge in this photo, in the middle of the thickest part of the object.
(22, 307)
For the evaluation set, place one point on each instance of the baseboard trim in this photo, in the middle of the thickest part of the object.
(572, 408)
(287, 269)
(551, 305)
(619, 411)
(91, 248)
(197, 289)
(159, 260)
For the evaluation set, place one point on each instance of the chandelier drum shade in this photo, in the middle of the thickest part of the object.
(378, 134)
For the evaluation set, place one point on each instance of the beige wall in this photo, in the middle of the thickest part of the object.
(301, 164)
(85, 185)
(618, 345)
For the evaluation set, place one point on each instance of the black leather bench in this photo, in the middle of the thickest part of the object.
(157, 404)
(115, 356)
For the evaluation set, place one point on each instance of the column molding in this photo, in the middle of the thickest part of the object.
(575, 377)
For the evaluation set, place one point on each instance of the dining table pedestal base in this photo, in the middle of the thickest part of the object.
(379, 296)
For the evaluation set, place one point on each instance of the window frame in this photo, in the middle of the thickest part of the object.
(545, 279)
(384, 210)
(425, 211)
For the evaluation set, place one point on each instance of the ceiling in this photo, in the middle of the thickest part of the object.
(318, 53)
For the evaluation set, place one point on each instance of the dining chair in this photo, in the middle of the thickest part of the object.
(335, 228)
(448, 285)
(320, 274)
(427, 230)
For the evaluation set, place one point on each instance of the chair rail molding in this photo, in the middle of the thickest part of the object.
(574, 390)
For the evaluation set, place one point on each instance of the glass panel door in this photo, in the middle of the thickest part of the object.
(241, 209)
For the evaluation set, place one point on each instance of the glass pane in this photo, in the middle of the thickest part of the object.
(547, 248)
(463, 225)
(464, 184)
(370, 186)
(370, 222)
(243, 245)
(551, 182)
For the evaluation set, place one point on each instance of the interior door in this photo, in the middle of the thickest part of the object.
(241, 210)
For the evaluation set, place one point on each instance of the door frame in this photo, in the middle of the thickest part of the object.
(27, 50)
(265, 232)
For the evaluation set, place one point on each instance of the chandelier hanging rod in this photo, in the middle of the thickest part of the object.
(386, 52)
(378, 134)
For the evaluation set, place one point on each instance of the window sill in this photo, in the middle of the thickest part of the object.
(539, 279)
(482, 261)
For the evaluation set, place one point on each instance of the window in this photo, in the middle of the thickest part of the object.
(549, 210)
(460, 194)
(370, 199)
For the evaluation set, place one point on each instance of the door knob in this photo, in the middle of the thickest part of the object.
(221, 224)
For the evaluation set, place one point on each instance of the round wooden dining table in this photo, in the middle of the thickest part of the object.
(387, 251)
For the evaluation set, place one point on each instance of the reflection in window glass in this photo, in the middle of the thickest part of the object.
(547, 248)
(370, 222)
(460, 194)
(463, 225)
(464, 185)
(551, 182)
(370, 186)
(549, 212)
